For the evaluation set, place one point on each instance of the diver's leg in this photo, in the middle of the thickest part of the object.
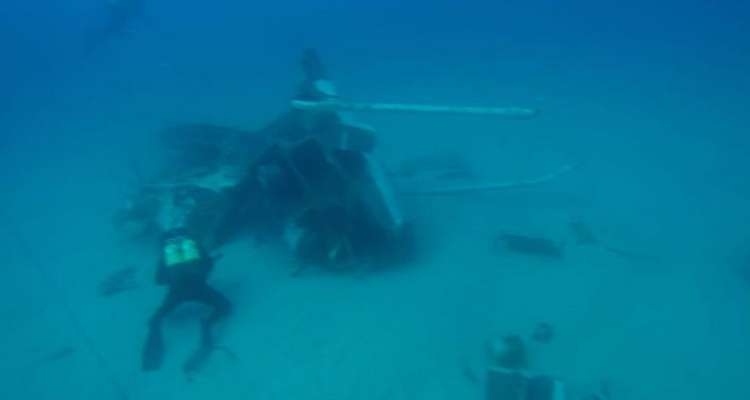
(221, 308)
(153, 349)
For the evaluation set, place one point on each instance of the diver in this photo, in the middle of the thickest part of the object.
(294, 124)
(508, 376)
(184, 267)
(119, 18)
(335, 130)
(315, 85)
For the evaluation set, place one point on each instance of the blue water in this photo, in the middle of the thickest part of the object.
(648, 100)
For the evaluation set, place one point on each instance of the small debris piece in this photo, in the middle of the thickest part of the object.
(530, 245)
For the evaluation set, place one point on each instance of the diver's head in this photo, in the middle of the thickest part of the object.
(175, 233)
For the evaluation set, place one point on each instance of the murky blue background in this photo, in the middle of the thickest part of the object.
(648, 99)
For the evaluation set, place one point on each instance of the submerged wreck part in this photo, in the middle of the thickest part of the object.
(137, 219)
(346, 210)
(529, 245)
(193, 204)
(203, 162)
(489, 187)
(200, 210)
(333, 130)
(338, 105)
(200, 148)
(322, 237)
(382, 198)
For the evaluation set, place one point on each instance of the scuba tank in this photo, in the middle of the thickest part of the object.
(180, 250)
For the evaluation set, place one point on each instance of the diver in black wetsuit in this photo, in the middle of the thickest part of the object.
(184, 267)
(314, 75)
(296, 124)
(120, 17)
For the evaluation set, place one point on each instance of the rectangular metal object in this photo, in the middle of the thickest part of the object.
(507, 384)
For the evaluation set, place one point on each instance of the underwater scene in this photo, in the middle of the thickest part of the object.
(375, 200)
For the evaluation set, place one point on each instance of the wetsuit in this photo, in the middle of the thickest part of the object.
(120, 16)
(186, 281)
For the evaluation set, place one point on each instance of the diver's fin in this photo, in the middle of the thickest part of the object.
(153, 351)
(196, 361)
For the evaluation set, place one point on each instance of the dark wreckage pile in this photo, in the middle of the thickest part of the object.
(308, 179)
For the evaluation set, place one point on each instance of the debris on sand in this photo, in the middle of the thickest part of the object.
(122, 280)
(584, 235)
(529, 245)
(487, 187)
